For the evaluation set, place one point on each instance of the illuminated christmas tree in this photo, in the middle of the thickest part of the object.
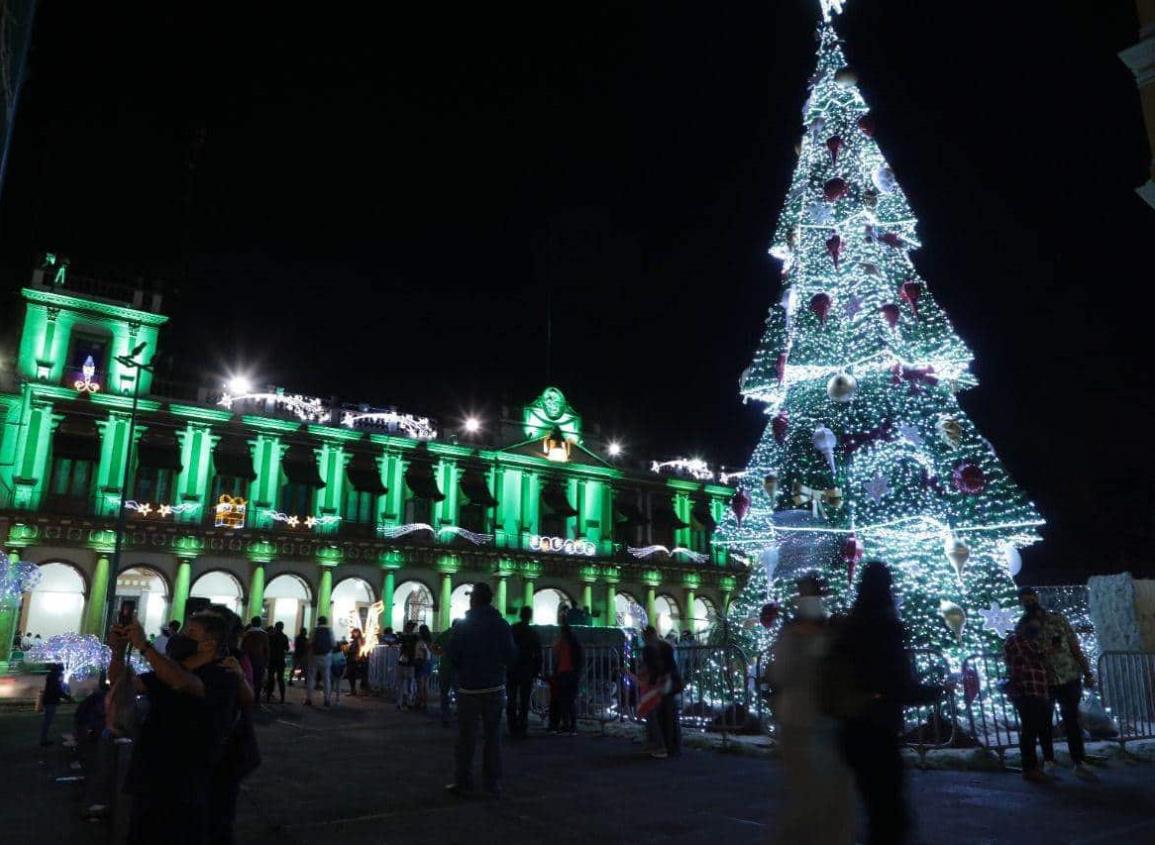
(867, 453)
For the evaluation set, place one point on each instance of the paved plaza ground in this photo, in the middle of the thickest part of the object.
(365, 773)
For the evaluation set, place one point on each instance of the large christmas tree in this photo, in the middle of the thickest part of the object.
(867, 453)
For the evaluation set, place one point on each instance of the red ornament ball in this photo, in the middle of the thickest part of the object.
(890, 312)
(740, 504)
(834, 248)
(820, 305)
(834, 189)
(768, 615)
(834, 144)
(909, 293)
(968, 478)
(866, 125)
(779, 425)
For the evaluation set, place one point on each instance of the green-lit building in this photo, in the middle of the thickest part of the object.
(289, 507)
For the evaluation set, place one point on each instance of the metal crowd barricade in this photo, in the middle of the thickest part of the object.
(1127, 685)
(932, 725)
(599, 696)
(991, 717)
(383, 669)
(717, 682)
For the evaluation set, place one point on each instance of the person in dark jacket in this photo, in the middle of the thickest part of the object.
(54, 693)
(872, 643)
(523, 671)
(567, 663)
(481, 649)
(278, 648)
(300, 656)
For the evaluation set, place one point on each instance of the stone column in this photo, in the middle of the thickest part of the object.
(612, 576)
(692, 581)
(95, 609)
(325, 592)
(8, 614)
(180, 589)
(727, 584)
(388, 588)
(651, 578)
(444, 609)
(501, 597)
(256, 590)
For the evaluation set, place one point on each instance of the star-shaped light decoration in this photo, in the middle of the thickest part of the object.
(820, 213)
(852, 305)
(1001, 620)
(293, 521)
(164, 510)
(310, 521)
(877, 487)
(910, 433)
(145, 509)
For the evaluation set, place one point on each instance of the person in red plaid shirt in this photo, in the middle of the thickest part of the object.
(1027, 688)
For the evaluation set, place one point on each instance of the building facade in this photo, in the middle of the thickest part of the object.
(287, 507)
(1140, 58)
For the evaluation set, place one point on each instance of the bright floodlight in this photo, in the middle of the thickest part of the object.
(472, 425)
(615, 448)
(238, 386)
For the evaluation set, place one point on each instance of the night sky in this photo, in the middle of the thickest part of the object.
(374, 208)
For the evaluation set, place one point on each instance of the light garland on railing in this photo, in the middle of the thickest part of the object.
(727, 477)
(644, 552)
(562, 545)
(229, 512)
(162, 510)
(394, 531)
(294, 521)
(472, 536)
(418, 427)
(693, 467)
(306, 408)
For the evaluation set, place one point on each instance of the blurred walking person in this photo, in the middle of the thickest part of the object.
(255, 645)
(446, 677)
(320, 660)
(300, 656)
(819, 803)
(423, 666)
(54, 693)
(662, 683)
(869, 680)
(567, 666)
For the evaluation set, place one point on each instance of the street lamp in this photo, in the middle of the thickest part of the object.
(129, 362)
(615, 448)
(472, 425)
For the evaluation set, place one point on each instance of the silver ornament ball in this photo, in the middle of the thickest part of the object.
(842, 387)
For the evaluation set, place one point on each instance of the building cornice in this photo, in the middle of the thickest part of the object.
(53, 299)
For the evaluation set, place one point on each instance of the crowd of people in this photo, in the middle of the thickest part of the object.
(838, 687)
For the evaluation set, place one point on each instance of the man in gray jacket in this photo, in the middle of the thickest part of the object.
(481, 650)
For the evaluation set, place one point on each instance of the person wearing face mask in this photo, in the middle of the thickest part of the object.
(819, 804)
(1028, 690)
(1068, 671)
(192, 702)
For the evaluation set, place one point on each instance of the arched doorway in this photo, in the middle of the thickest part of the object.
(412, 602)
(350, 606)
(56, 605)
(668, 617)
(705, 615)
(218, 588)
(628, 612)
(288, 599)
(144, 590)
(546, 605)
(459, 602)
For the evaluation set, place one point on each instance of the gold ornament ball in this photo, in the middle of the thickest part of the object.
(842, 387)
